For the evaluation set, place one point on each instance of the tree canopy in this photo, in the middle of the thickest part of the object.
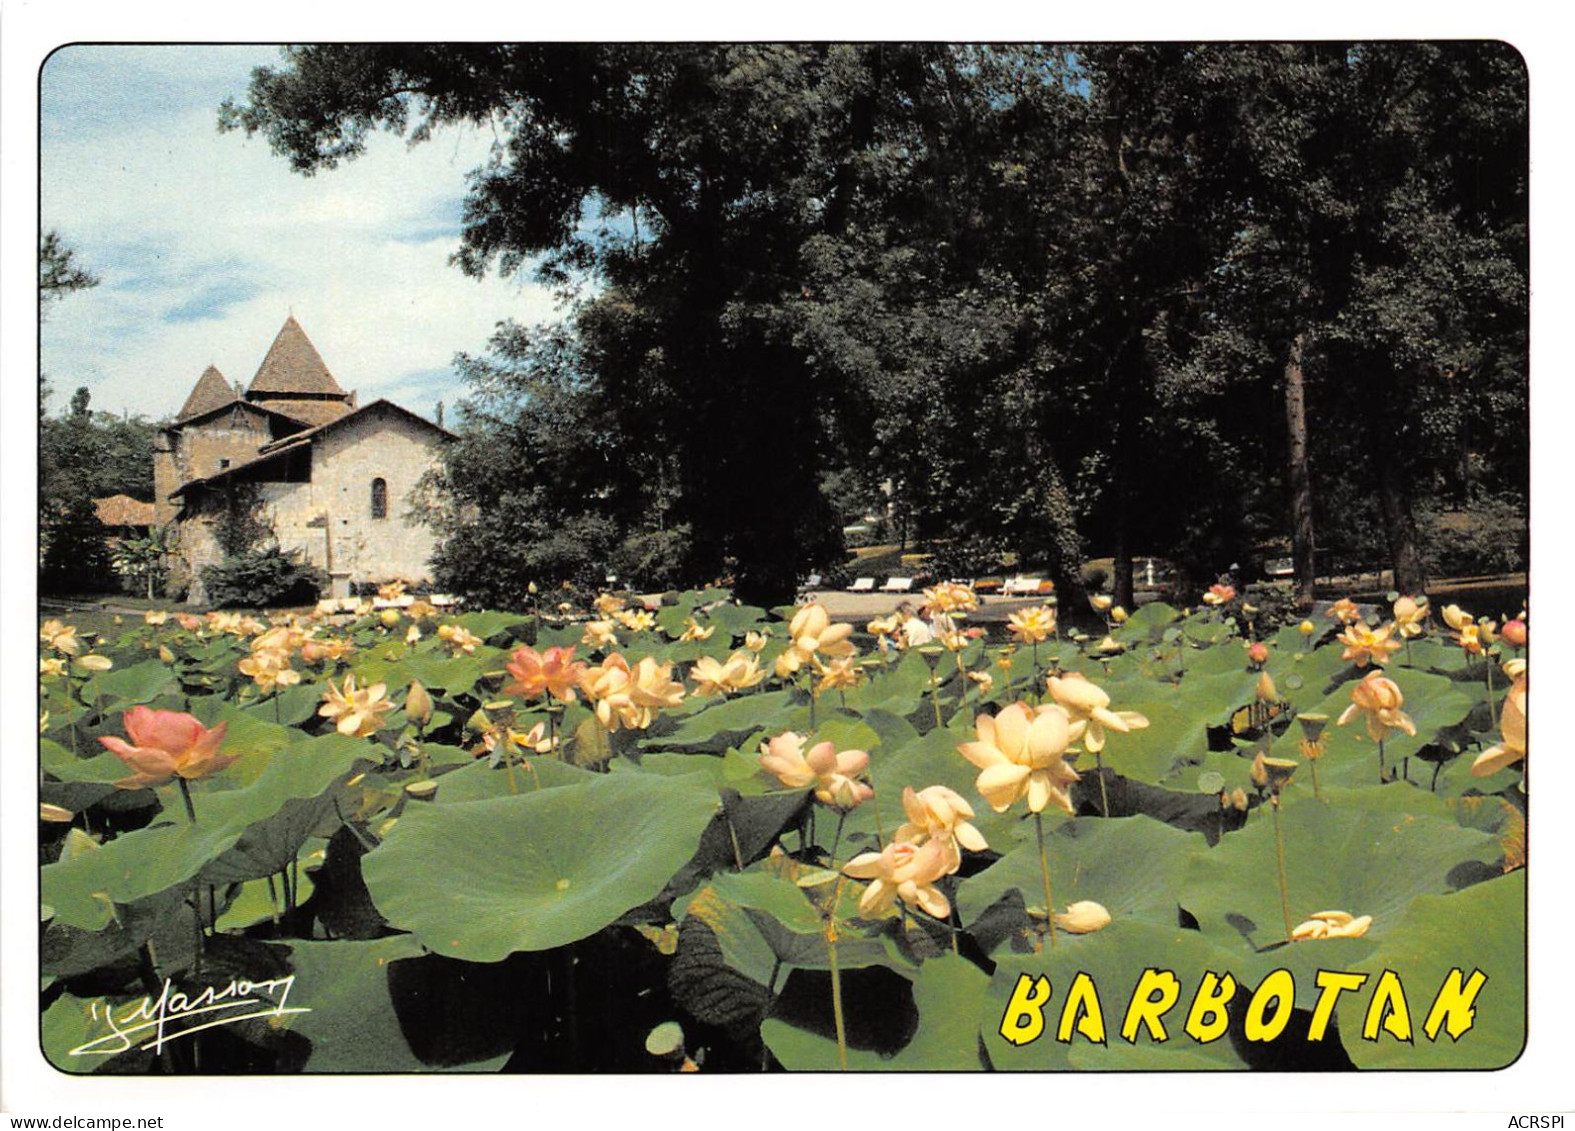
(1150, 299)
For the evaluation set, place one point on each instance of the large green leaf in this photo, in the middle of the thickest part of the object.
(139, 683)
(1482, 928)
(1366, 852)
(1132, 866)
(732, 723)
(538, 870)
(945, 992)
(150, 860)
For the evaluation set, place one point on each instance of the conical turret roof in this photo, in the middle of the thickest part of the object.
(293, 367)
(211, 391)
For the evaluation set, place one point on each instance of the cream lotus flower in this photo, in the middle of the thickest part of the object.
(1030, 626)
(599, 634)
(1512, 729)
(756, 641)
(606, 686)
(714, 677)
(1456, 617)
(884, 626)
(459, 638)
(1100, 602)
(93, 662)
(901, 871)
(694, 631)
(949, 597)
(270, 670)
(1088, 706)
(810, 632)
(636, 620)
(155, 617)
(1022, 753)
(837, 675)
(1378, 699)
(1410, 617)
(1083, 918)
(608, 605)
(939, 813)
(51, 666)
(61, 637)
(834, 774)
(358, 711)
(1332, 925)
(1364, 645)
(630, 696)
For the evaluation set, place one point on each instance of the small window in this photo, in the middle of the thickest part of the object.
(223, 463)
(379, 498)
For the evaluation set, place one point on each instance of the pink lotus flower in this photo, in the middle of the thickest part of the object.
(166, 745)
(834, 775)
(554, 672)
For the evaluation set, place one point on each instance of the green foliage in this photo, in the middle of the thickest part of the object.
(263, 578)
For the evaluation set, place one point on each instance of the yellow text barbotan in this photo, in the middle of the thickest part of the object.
(1268, 1010)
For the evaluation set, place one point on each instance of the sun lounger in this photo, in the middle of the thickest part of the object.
(897, 585)
(862, 585)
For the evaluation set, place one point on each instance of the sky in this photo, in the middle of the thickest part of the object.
(205, 242)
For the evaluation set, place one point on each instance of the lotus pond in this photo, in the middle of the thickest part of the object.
(707, 837)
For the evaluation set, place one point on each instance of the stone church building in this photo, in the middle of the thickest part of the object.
(316, 471)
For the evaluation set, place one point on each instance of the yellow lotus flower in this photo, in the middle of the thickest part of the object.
(1030, 626)
(599, 634)
(1364, 645)
(1118, 614)
(948, 597)
(1332, 925)
(269, 670)
(939, 813)
(836, 675)
(1022, 753)
(1379, 700)
(755, 641)
(459, 638)
(1101, 602)
(1512, 729)
(608, 605)
(901, 871)
(61, 637)
(884, 626)
(811, 631)
(1410, 617)
(693, 631)
(392, 591)
(358, 711)
(51, 666)
(713, 677)
(1083, 917)
(1088, 707)
(636, 620)
(1345, 611)
(155, 617)
(1455, 617)
(834, 774)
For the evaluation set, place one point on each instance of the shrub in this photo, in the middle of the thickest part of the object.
(263, 579)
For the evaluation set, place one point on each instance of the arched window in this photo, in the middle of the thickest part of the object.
(379, 498)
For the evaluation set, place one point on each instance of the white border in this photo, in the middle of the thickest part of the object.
(1541, 1081)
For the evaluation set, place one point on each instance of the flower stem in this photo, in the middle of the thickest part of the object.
(935, 698)
(185, 795)
(1279, 856)
(836, 840)
(1487, 670)
(1381, 777)
(1044, 873)
(836, 979)
(1099, 765)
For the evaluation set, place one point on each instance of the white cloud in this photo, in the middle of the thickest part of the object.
(205, 242)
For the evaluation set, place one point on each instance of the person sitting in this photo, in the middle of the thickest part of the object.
(914, 631)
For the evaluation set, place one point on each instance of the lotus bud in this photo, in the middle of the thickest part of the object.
(95, 663)
(56, 813)
(418, 704)
(1249, 611)
(389, 617)
(1238, 799)
(1100, 602)
(165, 654)
(1515, 668)
(1306, 628)
(1259, 772)
(412, 635)
(1083, 917)
(1258, 652)
(531, 588)
(1455, 618)
(1514, 633)
(1109, 645)
(1118, 614)
(1312, 725)
(1267, 692)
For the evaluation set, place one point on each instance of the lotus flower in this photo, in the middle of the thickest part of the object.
(1332, 925)
(554, 672)
(939, 813)
(166, 745)
(1379, 700)
(1022, 753)
(359, 711)
(1512, 727)
(1345, 611)
(1088, 706)
(1219, 595)
(1410, 617)
(599, 634)
(1364, 645)
(713, 677)
(1030, 626)
(902, 871)
(61, 637)
(1083, 917)
(833, 774)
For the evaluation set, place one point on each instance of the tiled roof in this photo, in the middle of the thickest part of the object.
(210, 392)
(123, 510)
(312, 413)
(293, 366)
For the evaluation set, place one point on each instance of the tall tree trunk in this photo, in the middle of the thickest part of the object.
(1394, 503)
(1300, 476)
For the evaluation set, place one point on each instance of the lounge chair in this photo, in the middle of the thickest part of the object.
(862, 585)
(897, 585)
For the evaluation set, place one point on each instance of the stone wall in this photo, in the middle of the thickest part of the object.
(198, 451)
